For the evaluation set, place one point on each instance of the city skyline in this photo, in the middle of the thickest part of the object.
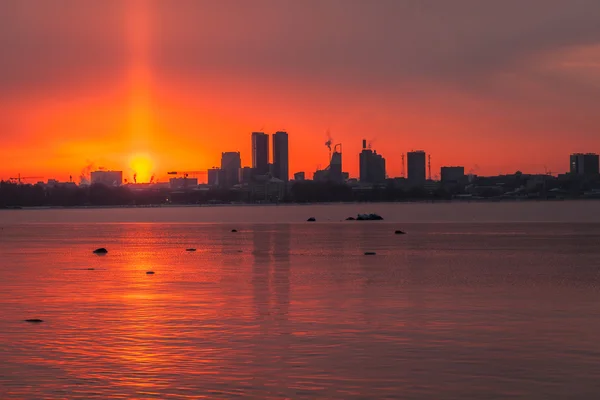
(447, 78)
(416, 166)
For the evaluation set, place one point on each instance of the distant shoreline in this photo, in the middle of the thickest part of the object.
(460, 201)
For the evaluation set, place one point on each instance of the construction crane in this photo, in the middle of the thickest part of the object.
(185, 174)
(20, 178)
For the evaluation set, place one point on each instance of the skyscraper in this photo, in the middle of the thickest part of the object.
(584, 164)
(335, 166)
(280, 156)
(231, 163)
(213, 176)
(372, 165)
(260, 153)
(416, 162)
(452, 174)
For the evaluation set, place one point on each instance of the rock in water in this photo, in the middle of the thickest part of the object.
(350, 219)
(400, 233)
(369, 217)
(369, 253)
(190, 249)
(234, 230)
(34, 320)
(101, 250)
(149, 272)
(311, 219)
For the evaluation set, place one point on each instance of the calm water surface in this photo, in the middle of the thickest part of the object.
(285, 309)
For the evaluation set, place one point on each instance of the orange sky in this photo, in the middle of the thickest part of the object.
(158, 85)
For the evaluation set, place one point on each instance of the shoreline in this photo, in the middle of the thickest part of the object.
(452, 201)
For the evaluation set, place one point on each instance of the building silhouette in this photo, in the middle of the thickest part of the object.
(372, 166)
(108, 178)
(231, 162)
(416, 163)
(299, 176)
(260, 153)
(584, 164)
(335, 166)
(213, 176)
(333, 172)
(183, 183)
(280, 156)
(453, 175)
(245, 175)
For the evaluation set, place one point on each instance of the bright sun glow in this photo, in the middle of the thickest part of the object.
(142, 168)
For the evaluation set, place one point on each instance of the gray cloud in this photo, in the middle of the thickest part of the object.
(52, 44)
(383, 42)
(47, 44)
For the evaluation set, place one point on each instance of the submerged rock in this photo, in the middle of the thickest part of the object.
(311, 219)
(190, 249)
(400, 233)
(350, 219)
(370, 253)
(234, 230)
(101, 250)
(34, 320)
(149, 272)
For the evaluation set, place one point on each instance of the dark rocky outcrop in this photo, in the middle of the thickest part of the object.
(311, 219)
(101, 250)
(370, 253)
(369, 217)
(34, 320)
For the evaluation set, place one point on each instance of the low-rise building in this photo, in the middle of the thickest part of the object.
(108, 178)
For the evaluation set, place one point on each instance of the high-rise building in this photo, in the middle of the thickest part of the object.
(231, 162)
(452, 174)
(213, 176)
(280, 156)
(585, 164)
(416, 163)
(335, 165)
(260, 153)
(108, 178)
(333, 173)
(372, 166)
(245, 174)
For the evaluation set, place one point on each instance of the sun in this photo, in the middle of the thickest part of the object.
(142, 168)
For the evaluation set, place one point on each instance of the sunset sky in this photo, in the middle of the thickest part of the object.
(159, 85)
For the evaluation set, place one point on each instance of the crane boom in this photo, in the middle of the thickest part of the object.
(20, 178)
